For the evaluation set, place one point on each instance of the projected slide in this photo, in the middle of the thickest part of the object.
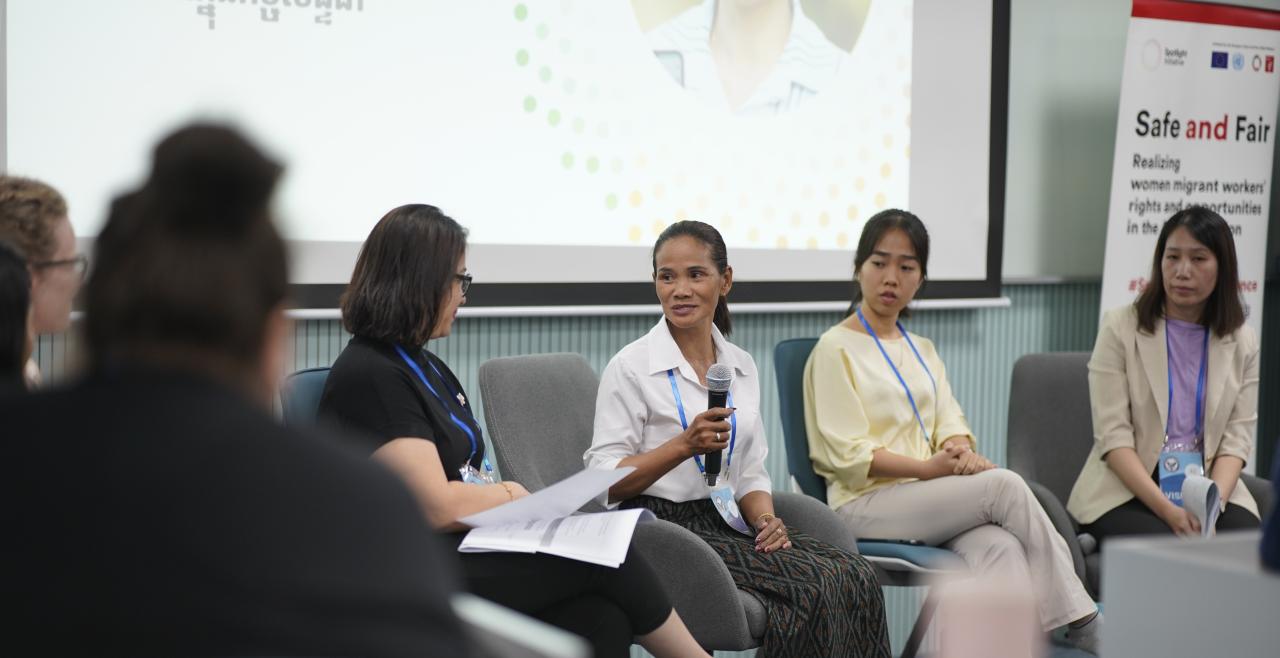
(565, 134)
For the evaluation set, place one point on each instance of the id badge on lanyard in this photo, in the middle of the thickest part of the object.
(1175, 465)
(470, 474)
(727, 505)
(1174, 469)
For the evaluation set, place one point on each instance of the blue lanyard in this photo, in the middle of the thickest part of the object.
(684, 424)
(905, 388)
(1200, 379)
(471, 435)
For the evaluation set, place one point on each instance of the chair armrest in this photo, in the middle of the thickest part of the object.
(814, 518)
(1260, 489)
(698, 583)
(1065, 525)
(497, 631)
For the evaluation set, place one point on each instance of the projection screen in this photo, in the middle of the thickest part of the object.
(564, 134)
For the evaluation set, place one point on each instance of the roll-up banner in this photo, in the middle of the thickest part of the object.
(1197, 126)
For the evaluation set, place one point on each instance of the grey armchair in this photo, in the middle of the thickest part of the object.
(1050, 436)
(539, 411)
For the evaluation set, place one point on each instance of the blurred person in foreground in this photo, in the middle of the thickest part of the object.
(155, 507)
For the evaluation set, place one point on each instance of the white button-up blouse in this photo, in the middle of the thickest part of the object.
(636, 412)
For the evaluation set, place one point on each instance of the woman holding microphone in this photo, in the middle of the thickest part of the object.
(649, 416)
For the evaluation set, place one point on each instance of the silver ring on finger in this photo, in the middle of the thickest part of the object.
(718, 439)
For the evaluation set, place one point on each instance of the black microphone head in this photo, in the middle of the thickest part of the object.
(719, 377)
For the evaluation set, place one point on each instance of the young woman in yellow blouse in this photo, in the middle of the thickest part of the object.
(893, 444)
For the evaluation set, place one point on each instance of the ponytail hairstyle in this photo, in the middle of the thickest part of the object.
(189, 267)
(875, 228)
(15, 307)
(709, 236)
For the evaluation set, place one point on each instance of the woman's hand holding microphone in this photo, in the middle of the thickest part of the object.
(709, 432)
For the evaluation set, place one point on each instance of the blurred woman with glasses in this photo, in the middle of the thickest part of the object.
(33, 217)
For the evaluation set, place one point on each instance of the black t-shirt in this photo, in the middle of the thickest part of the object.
(160, 513)
(374, 394)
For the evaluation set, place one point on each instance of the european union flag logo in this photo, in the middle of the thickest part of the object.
(1219, 60)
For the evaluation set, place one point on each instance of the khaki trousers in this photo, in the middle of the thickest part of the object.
(993, 521)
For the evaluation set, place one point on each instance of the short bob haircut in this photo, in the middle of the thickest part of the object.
(875, 228)
(1223, 313)
(403, 275)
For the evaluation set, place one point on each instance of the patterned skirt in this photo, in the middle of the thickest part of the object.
(820, 600)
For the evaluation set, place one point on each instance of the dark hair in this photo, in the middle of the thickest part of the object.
(403, 275)
(1223, 312)
(188, 267)
(709, 236)
(28, 210)
(875, 229)
(15, 304)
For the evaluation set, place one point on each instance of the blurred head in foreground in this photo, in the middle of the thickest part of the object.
(189, 271)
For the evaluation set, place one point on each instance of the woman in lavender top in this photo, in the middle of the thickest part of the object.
(1173, 376)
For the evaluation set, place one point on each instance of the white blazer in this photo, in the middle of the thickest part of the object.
(1128, 386)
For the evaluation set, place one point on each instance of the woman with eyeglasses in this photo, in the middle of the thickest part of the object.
(33, 217)
(415, 418)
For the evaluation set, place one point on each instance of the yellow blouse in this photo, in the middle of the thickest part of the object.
(854, 405)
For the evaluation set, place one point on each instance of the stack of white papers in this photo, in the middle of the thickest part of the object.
(542, 522)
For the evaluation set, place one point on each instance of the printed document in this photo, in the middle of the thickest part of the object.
(544, 522)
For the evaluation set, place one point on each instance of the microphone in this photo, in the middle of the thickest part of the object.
(719, 377)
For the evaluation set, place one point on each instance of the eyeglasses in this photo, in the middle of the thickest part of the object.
(80, 263)
(464, 280)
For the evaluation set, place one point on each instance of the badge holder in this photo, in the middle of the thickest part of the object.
(1175, 466)
(472, 475)
(722, 497)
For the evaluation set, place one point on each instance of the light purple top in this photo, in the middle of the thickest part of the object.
(1186, 349)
